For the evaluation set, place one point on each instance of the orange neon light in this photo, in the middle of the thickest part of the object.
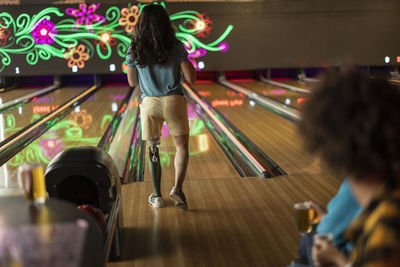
(227, 102)
(133, 103)
(301, 100)
(204, 93)
(231, 93)
(44, 109)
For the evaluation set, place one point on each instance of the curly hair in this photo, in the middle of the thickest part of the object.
(154, 37)
(353, 121)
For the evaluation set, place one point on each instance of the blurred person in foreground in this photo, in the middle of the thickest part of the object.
(341, 211)
(353, 122)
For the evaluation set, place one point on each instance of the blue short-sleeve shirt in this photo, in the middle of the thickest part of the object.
(164, 80)
(342, 209)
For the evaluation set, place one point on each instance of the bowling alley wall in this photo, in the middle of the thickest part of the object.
(44, 37)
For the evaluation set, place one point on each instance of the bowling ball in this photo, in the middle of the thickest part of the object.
(97, 214)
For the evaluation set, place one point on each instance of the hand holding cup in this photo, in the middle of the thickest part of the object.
(307, 214)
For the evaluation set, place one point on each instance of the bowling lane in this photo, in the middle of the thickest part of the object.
(206, 160)
(279, 94)
(83, 126)
(122, 139)
(273, 134)
(297, 83)
(17, 118)
(17, 92)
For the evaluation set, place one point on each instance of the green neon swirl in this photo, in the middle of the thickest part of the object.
(113, 15)
(44, 53)
(101, 55)
(8, 19)
(71, 36)
(122, 49)
(123, 38)
(176, 17)
(105, 121)
(6, 60)
(21, 21)
(52, 50)
(185, 13)
(189, 31)
(223, 36)
(67, 23)
(32, 57)
(74, 42)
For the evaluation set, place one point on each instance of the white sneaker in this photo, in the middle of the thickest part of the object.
(178, 197)
(156, 202)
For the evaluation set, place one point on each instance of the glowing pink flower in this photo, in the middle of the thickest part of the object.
(44, 32)
(51, 147)
(200, 52)
(85, 16)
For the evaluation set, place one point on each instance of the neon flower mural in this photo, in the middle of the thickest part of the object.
(89, 32)
(196, 25)
(44, 32)
(201, 26)
(4, 33)
(51, 147)
(85, 16)
(81, 119)
(124, 66)
(129, 17)
(106, 38)
(195, 54)
(76, 56)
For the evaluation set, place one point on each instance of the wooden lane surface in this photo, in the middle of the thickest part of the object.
(206, 160)
(16, 119)
(80, 128)
(297, 83)
(276, 136)
(230, 222)
(16, 93)
(278, 94)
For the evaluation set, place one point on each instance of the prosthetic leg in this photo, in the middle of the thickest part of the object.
(155, 166)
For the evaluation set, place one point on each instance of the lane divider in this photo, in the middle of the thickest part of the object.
(280, 108)
(286, 86)
(36, 127)
(26, 98)
(234, 140)
(112, 128)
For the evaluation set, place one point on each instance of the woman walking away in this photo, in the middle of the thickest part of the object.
(157, 60)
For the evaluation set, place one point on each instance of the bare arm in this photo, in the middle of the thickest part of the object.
(189, 73)
(132, 77)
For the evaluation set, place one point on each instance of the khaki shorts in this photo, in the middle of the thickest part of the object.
(172, 109)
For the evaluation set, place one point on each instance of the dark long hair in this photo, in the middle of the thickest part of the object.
(153, 38)
(354, 122)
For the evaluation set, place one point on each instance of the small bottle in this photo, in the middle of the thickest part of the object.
(38, 184)
(31, 180)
